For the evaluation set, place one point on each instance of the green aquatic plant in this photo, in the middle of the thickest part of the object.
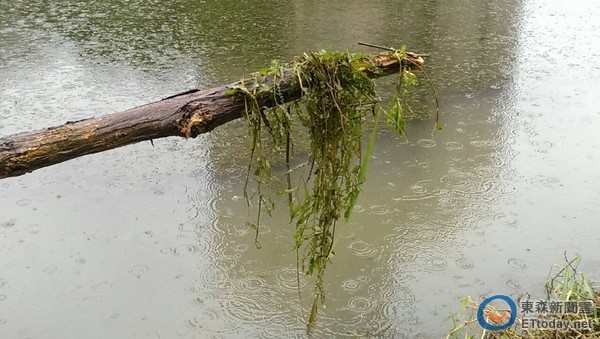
(337, 97)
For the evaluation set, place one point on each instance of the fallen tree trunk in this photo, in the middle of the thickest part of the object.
(186, 114)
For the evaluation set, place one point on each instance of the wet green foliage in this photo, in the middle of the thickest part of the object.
(395, 115)
(337, 99)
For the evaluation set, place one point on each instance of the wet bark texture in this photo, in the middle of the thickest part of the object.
(186, 114)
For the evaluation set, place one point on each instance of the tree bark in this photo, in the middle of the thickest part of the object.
(186, 114)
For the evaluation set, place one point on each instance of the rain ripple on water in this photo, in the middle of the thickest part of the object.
(438, 264)
(209, 322)
(288, 279)
(464, 263)
(361, 304)
(397, 302)
(252, 309)
(517, 263)
(362, 249)
(9, 223)
(351, 285)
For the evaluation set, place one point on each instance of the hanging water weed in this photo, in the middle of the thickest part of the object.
(336, 99)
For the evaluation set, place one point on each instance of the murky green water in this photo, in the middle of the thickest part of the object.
(150, 241)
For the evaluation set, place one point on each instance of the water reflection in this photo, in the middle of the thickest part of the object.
(153, 36)
(96, 242)
(426, 194)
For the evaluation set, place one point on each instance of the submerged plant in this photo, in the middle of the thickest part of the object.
(337, 97)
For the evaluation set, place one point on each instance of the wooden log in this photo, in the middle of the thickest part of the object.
(186, 114)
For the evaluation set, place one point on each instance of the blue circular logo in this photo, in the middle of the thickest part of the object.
(492, 327)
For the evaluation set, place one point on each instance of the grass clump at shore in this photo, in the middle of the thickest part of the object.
(565, 284)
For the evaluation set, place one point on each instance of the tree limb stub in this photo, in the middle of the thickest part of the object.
(186, 114)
